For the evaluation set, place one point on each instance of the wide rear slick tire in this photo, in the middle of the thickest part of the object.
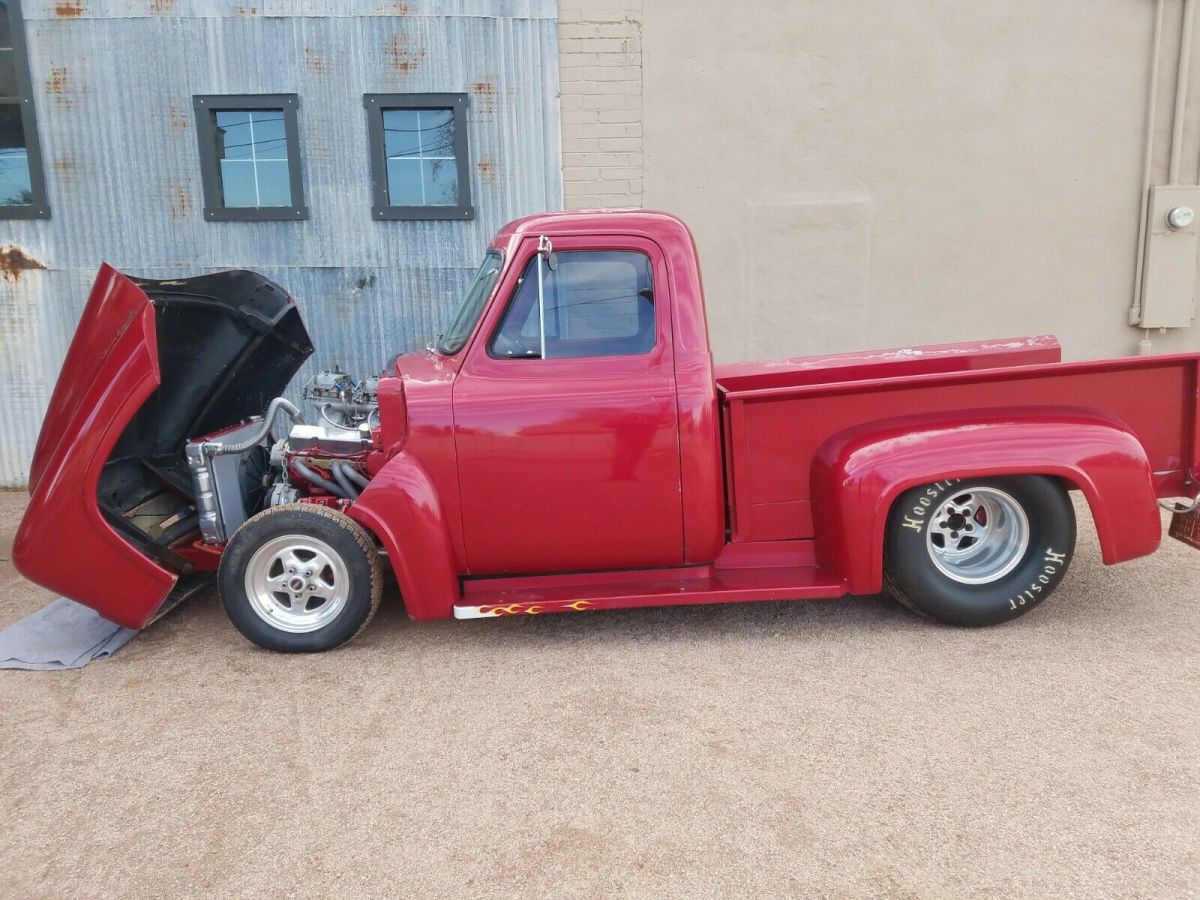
(300, 578)
(979, 551)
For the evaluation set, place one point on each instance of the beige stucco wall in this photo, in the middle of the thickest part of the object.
(869, 174)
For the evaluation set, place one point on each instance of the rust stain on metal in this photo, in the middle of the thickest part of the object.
(484, 96)
(314, 62)
(14, 262)
(179, 203)
(58, 80)
(69, 9)
(487, 170)
(178, 120)
(247, 10)
(64, 168)
(177, 199)
(61, 87)
(401, 56)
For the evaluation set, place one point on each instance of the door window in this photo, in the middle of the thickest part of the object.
(594, 303)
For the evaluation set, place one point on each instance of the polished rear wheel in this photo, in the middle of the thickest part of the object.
(979, 551)
(978, 536)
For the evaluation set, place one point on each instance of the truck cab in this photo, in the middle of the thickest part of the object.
(584, 435)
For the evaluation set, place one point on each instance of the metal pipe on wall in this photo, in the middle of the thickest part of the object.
(1135, 312)
(1181, 79)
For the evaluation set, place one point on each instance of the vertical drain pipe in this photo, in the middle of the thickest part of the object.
(1185, 58)
(1135, 312)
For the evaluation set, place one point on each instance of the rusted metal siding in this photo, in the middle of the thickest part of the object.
(114, 82)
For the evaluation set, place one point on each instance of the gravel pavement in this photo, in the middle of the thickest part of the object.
(842, 749)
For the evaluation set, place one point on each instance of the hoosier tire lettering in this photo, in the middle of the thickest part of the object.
(918, 515)
(1054, 562)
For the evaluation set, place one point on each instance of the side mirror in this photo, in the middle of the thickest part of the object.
(545, 250)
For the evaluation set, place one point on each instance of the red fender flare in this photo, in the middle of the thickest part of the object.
(858, 474)
(401, 507)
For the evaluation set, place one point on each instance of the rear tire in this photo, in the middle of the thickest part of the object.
(300, 578)
(979, 551)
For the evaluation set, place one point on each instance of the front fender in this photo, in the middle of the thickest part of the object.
(401, 507)
(858, 474)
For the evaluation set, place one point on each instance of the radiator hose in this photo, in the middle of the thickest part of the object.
(216, 448)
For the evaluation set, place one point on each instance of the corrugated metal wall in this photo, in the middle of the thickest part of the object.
(114, 81)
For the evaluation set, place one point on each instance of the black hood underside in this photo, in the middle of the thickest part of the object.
(228, 343)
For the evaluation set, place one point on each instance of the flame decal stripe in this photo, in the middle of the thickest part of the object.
(488, 611)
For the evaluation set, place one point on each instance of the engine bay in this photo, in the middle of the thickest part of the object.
(321, 456)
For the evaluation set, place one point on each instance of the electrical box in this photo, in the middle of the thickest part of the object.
(1172, 242)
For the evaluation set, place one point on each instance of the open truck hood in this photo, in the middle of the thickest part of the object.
(152, 364)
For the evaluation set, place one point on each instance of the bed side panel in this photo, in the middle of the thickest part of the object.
(778, 433)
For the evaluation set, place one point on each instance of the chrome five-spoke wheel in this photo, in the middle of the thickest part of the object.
(300, 578)
(297, 583)
(978, 536)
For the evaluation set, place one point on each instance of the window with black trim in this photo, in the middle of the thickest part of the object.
(420, 163)
(595, 303)
(22, 185)
(250, 157)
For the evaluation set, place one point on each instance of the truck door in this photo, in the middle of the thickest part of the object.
(566, 423)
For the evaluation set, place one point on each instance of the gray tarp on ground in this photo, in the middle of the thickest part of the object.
(61, 635)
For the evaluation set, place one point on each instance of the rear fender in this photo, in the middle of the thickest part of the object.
(857, 476)
(401, 507)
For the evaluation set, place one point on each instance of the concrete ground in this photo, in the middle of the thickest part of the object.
(837, 749)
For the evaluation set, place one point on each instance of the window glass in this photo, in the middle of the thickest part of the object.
(472, 305)
(595, 303)
(419, 150)
(253, 156)
(15, 184)
(22, 187)
(420, 156)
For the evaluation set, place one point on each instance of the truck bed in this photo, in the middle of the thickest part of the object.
(777, 415)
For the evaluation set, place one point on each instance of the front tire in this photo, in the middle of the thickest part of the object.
(978, 551)
(300, 578)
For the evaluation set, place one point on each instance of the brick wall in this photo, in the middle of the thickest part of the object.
(600, 60)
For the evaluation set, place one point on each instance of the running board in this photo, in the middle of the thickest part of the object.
(664, 587)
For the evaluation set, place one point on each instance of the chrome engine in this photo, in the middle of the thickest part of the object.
(238, 471)
(352, 403)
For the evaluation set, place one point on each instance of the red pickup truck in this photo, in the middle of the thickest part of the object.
(568, 444)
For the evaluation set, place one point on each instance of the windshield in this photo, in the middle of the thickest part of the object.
(471, 306)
